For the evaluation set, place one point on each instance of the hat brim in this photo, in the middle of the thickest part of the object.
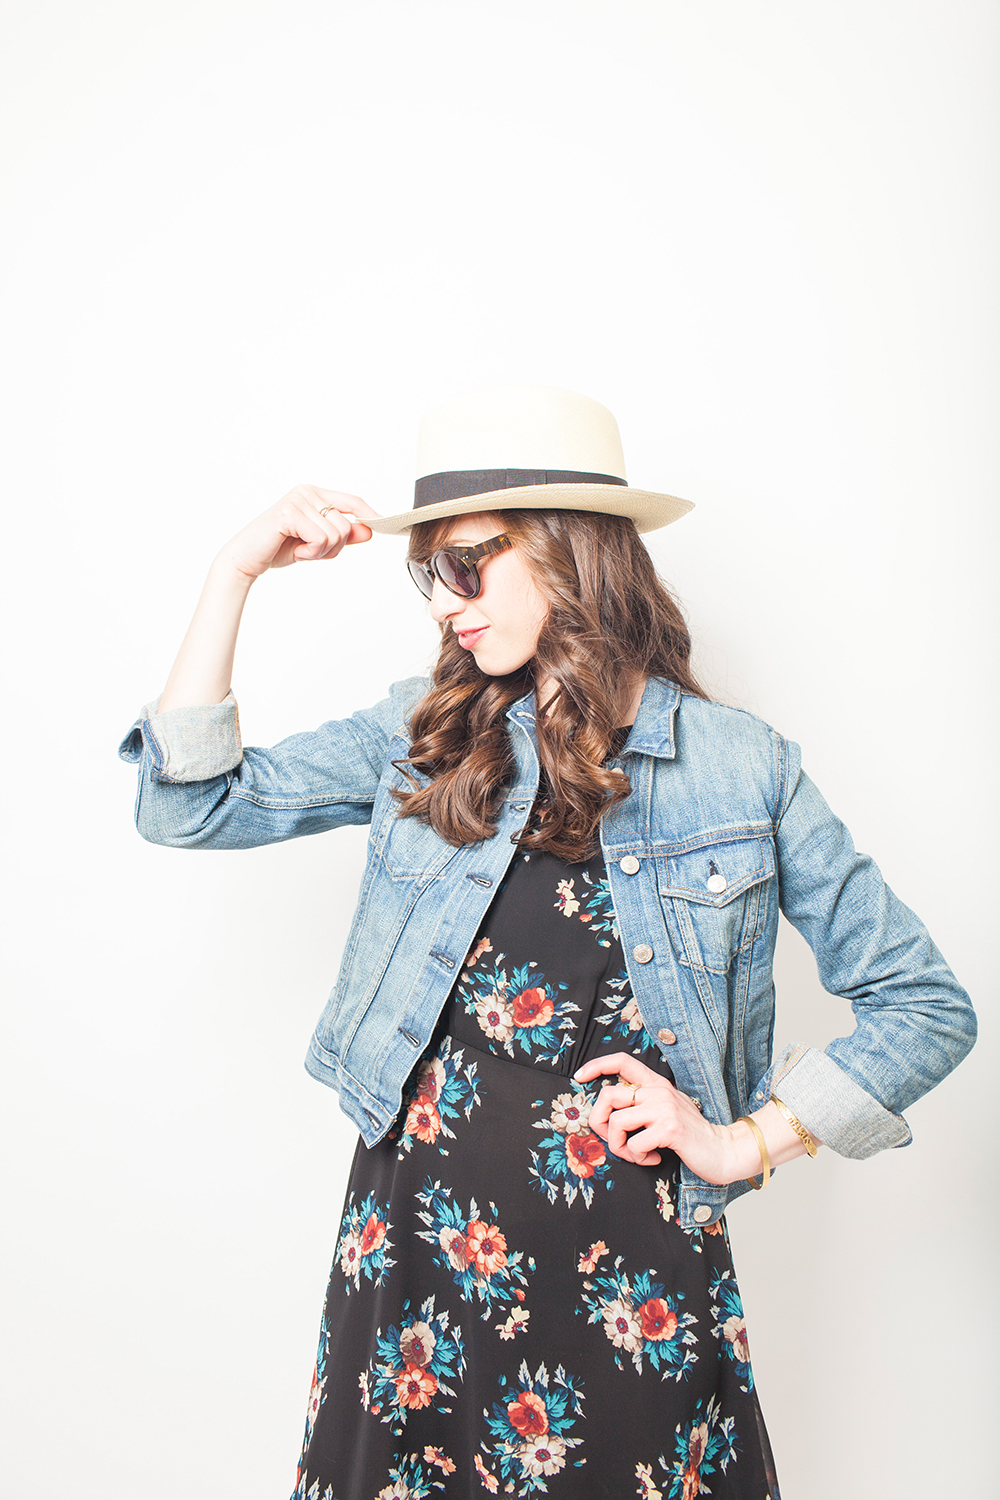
(647, 509)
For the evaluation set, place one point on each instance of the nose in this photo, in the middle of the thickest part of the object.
(445, 604)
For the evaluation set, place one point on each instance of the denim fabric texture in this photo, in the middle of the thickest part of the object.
(722, 830)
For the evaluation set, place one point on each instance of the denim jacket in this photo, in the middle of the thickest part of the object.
(722, 829)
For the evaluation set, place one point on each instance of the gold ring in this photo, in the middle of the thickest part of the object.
(635, 1090)
(326, 510)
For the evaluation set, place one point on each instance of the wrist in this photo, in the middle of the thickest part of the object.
(225, 574)
(745, 1155)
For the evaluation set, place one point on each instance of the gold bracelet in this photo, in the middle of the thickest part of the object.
(797, 1126)
(765, 1160)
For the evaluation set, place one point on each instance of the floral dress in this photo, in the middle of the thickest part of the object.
(512, 1310)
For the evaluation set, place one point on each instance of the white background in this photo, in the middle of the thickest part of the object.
(250, 243)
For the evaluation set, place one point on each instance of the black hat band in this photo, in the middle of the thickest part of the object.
(458, 484)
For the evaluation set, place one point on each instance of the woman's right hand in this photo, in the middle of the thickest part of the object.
(291, 531)
(295, 531)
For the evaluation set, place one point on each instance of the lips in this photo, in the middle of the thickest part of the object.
(469, 639)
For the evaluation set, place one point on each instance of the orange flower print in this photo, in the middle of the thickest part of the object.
(435, 1456)
(372, 1235)
(584, 1152)
(657, 1319)
(588, 1262)
(415, 1387)
(532, 1008)
(527, 1415)
(475, 953)
(487, 1247)
(489, 1481)
(690, 1484)
(422, 1120)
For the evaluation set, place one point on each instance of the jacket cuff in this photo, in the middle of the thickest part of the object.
(187, 744)
(828, 1102)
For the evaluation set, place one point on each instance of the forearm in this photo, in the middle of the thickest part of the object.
(203, 670)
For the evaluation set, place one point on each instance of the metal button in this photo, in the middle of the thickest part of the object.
(716, 884)
(642, 954)
(666, 1036)
(702, 1213)
(629, 865)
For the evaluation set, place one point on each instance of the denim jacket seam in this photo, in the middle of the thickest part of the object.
(280, 804)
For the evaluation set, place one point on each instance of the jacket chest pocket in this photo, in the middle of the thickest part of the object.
(408, 848)
(715, 898)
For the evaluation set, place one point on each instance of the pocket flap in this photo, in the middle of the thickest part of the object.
(716, 872)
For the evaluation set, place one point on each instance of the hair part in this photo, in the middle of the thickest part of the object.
(611, 622)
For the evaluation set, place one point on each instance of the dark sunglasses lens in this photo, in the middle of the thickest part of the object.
(422, 577)
(461, 578)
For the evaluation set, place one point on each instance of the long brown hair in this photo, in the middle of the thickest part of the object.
(611, 621)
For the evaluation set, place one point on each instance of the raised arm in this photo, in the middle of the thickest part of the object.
(198, 786)
(308, 525)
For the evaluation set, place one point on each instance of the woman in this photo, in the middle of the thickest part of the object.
(553, 1020)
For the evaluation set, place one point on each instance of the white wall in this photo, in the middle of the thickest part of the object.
(251, 243)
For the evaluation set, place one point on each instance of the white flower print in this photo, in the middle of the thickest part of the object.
(630, 1015)
(622, 1326)
(431, 1078)
(350, 1252)
(566, 901)
(416, 1344)
(516, 1323)
(664, 1199)
(496, 1018)
(735, 1331)
(648, 1490)
(543, 1454)
(570, 1112)
(455, 1246)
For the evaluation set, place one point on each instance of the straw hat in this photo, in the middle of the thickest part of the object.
(530, 447)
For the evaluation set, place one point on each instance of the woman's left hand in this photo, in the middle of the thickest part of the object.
(662, 1117)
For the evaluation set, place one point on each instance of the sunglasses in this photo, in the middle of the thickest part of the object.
(456, 567)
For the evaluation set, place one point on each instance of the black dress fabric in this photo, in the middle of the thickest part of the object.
(512, 1310)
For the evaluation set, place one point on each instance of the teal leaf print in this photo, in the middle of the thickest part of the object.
(364, 1244)
(472, 1247)
(642, 1321)
(518, 1009)
(531, 1428)
(442, 1091)
(413, 1365)
(409, 1479)
(571, 1158)
(730, 1325)
(599, 911)
(702, 1446)
(619, 1012)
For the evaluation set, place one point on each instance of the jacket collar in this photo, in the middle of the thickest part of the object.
(653, 730)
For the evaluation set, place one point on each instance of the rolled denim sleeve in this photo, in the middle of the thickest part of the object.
(199, 789)
(186, 744)
(914, 1022)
